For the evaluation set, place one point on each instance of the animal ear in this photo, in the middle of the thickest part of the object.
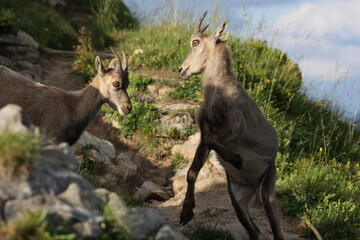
(99, 67)
(217, 35)
(112, 63)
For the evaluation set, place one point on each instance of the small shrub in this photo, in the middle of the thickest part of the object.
(334, 219)
(111, 228)
(84, 62)
(325, 195)
(177, 160)
(18, 151)
(203, 230)
(30, 225)
(7, 20)
(88, 166)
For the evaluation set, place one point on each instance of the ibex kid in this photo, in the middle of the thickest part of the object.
(62, 115)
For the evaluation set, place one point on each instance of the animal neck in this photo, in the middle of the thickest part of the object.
(218, 71)
(88, 101)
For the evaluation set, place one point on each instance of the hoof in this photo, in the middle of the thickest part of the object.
(185, 218)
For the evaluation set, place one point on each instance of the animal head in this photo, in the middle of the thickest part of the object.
(202, 48)
(113, 83)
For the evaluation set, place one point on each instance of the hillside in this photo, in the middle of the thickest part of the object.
(318, 162)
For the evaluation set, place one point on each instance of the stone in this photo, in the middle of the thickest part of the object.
(77, 196)
(126, 167)
(143, 221)
(14, 120)
(103, 151)
(169, 233)
(117, 206)
(21, 38)
(180, 122)
(150, 190)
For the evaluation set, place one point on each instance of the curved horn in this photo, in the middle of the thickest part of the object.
(197, 28)
(118, 61)
(125, 67)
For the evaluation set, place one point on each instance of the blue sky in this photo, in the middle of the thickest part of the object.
(322, 36)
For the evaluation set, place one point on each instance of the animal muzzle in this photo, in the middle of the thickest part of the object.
(125, 109)
(183, 72)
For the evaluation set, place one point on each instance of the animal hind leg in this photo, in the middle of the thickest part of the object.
(268, 199)
(240, 196)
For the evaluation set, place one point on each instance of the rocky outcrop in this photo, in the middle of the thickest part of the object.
(53, 185)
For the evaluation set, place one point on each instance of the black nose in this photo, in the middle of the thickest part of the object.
(126, 108)
(180, 68)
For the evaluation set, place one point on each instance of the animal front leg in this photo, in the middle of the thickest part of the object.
(202, 153)
(212, 141)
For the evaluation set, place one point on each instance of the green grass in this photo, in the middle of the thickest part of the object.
(18, 152)
(204, 230)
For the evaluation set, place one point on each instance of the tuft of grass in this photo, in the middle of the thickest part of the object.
(18, 151)
(177, 160)
(204, 230)
(34, 225)
(88, 167)
(30, 225)
(84, 61)
(111, 228)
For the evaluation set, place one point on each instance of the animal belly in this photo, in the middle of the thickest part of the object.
(253, 167)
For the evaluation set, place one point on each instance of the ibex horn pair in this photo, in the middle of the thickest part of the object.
(118, 66)
(200, 30)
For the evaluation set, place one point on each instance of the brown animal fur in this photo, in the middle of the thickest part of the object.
(64, 115)
(231, 124)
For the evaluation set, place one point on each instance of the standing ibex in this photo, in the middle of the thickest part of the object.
(63, 116)
(233, 126)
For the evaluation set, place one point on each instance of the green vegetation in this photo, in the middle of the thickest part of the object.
(203, 230)
(18, 151)
(33, 225)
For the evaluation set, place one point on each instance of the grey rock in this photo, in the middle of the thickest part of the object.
(117, 205)
(142, 222)
(21, 38)
(150, 190)
(179, 122)
(104, 151)
(126, 168)
(76, 196)
(169, 233)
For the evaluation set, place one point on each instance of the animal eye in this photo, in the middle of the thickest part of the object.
(116, 84)
(195, 43)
